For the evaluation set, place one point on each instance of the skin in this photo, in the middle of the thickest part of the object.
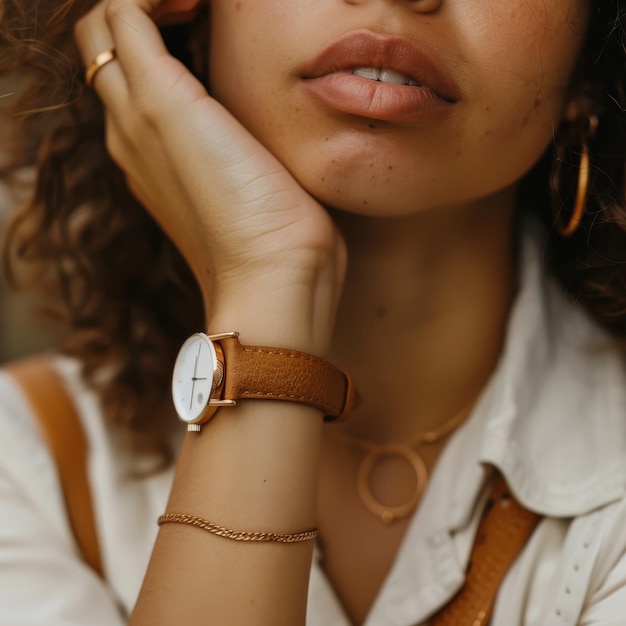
(510, 96)
(365, 242)
(429, 292)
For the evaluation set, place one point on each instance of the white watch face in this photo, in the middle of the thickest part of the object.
(192, 380)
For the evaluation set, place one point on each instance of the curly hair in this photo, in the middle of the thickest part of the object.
(122, 289)
(591, 263)
(114, 280)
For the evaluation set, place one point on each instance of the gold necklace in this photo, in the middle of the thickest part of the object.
(376, 452)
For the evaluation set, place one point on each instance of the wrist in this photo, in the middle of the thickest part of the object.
(260, 325)
(299, 317)
(290, 303)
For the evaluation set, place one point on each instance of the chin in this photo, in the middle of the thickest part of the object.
(370, 194)
(359, 200)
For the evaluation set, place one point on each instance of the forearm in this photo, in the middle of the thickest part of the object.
(251, 468)
(270, 262)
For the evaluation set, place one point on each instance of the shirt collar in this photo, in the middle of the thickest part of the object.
(553, 418)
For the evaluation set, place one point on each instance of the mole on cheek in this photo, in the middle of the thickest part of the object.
(237, 6)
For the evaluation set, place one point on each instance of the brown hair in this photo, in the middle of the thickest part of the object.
(119, 285)
(123, 290)
(591, 263)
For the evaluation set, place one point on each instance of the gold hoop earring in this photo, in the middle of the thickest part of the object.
(579, 136)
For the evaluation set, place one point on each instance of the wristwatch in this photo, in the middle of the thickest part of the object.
(213, 371)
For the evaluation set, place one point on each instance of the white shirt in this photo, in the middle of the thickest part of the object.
(552, 420)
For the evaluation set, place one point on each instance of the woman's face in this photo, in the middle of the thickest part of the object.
(488, 82)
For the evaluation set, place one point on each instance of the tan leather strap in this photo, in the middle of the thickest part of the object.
(63, 432)
(503, 531)
(278, 373)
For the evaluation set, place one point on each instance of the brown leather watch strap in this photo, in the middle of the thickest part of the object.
(281, 374)
(503, 531)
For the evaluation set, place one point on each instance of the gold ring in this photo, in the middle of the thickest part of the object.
(97, 64)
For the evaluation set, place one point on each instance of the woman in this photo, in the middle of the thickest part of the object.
(358, 188)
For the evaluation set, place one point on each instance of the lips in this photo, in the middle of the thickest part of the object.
(329, 78)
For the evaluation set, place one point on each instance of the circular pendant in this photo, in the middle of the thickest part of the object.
(388, 514)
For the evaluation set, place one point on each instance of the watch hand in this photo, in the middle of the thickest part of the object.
(194, 378)
(195, 365)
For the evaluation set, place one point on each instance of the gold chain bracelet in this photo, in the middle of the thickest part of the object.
(236, 535)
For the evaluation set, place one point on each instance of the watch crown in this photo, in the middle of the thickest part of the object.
(218, 376)
(193, 428)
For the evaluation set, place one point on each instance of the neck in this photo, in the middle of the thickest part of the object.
(423, 314)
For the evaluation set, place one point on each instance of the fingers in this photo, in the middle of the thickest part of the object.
(150, 70)
(93, 37)
(143, 70)
(127, 27)
(138, 41)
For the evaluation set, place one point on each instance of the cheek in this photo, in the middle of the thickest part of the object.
(243, 54)
(520, 55)
(230, 48)
(251, 67)
(519, 58)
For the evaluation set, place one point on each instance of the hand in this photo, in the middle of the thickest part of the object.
(238, 217)
(272, 262)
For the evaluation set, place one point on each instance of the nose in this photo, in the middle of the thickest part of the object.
(419, 6)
